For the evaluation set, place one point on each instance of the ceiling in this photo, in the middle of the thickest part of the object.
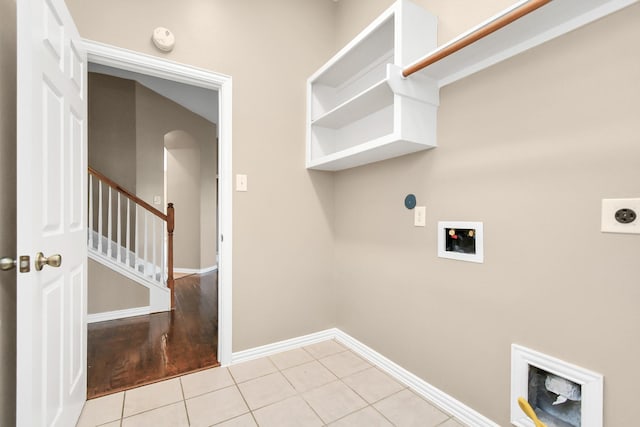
(201, 101)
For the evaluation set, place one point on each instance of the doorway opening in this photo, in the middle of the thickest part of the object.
(188, 173)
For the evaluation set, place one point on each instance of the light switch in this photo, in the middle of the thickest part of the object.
(620, 216)
(420, 216)
(157, 200)
(241, 182)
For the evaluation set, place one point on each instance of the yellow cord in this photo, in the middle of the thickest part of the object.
(528, 410)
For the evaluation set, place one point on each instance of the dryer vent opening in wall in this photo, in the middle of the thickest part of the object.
(556, 400)
(561, 394)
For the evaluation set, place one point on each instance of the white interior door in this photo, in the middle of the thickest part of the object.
(51, 172)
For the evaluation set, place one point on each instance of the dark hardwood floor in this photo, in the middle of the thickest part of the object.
(122, 354)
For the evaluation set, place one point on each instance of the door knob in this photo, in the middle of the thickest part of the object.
(8, 263)
(51, 261)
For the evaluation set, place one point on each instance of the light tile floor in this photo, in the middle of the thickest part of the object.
(323, 384)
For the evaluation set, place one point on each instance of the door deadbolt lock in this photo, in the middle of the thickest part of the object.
(51, 261)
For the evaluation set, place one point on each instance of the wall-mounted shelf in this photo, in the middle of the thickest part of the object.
(548, 22)
(360, 110)
(363, 104)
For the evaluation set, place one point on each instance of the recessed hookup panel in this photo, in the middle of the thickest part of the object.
(461, 240)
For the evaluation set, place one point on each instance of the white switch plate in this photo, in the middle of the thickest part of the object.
(157, 200)
(609, 209)
(420, 216)
(241, 182)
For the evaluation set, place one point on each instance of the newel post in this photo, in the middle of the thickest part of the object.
(170, 227)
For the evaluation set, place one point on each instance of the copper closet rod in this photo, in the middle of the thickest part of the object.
(473, 37)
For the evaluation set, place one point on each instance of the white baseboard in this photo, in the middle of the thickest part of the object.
(277, 347)
(195, 270)
(118, 314)
(434, 395)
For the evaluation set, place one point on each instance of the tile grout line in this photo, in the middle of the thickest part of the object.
(152, 409)
(292, 366)
(372, 403)
(299, 394)
(210, 391)
(230, 419)
(184, 401)
(242, 395)
(315, 359)
(352, 373)
(124, 397)
(338, 379)
(405, 387)
(253, 378)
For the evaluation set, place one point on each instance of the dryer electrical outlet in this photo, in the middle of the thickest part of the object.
(621, 216)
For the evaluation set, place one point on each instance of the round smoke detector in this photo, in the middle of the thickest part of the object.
(163, 39)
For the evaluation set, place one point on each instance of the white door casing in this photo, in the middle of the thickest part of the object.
(51, 215)
(116, 57)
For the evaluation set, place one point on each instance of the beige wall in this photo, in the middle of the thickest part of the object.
(183, 189)
(283, 247)
(208, 204)
(529, 147)
(192, 146)
(111, 144)
(112, 128)
(155, 117)
(110, 291)
(454, 16)
(7, 210)
(125, 117)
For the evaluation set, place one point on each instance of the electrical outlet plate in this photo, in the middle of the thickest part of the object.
(611, 225)
(420, 216)
(241, 182)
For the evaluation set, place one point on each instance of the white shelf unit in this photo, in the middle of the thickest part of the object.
(546, 23)
(360, 110)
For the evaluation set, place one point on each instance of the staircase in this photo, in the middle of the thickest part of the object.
(132, 238)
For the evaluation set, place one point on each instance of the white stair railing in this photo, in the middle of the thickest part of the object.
(140, 227)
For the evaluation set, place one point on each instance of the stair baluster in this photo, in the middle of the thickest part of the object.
(142, 260)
